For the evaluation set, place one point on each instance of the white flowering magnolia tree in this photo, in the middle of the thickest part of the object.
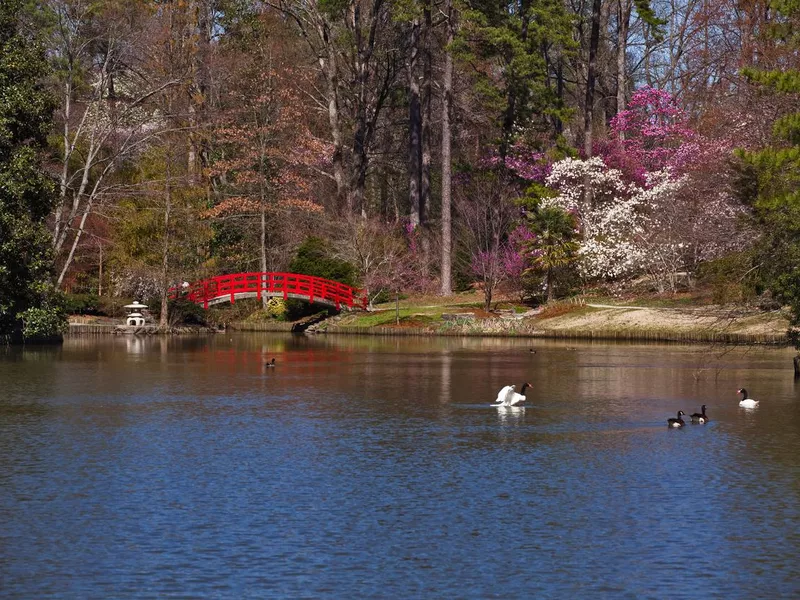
(630, 229)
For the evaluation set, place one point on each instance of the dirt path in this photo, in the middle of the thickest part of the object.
(633, 318)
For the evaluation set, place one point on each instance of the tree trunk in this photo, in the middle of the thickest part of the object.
(64, 177)
(365, 116)
(591, 74)
(549, 280)
(262, 189)
(75, 241)
(447, 102)
(191, 153)
(646, 60)
(263, 245)
(198, 89)
(414, 128)
(427, 79)
(100, 273)
(623, 16)
(329, 68)
(358, 173)
(558, 123)
(164, 318)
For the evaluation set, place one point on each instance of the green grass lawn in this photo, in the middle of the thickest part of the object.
(388, 317)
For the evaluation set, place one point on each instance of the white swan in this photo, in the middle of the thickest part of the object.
(745, 401)
(508, 397)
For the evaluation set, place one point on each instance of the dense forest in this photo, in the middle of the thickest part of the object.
(533, 146)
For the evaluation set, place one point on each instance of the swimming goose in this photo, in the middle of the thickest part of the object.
(508, 397)
(701, 416)
(676, 422)
(746, 402)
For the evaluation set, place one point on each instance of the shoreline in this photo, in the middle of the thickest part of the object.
(591, 334)
(473, 330)
(709, 324)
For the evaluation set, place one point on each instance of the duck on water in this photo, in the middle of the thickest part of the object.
(700, 417)
(676, 422)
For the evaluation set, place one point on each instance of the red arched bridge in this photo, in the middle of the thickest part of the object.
(233, 287)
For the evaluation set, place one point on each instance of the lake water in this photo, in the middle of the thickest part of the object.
(366, 467)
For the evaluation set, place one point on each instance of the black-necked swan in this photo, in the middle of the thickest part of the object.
(676, 422)
(700, 417)
(270, 363)
(746, 402)
(508, 397)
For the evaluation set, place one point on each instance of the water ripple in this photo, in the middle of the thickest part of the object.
(381, 471)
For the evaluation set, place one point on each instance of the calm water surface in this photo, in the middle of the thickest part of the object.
(375, 468)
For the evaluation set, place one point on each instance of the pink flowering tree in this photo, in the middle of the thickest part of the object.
(488, 267)
(645, 204)
(516, 260)
(528, 164)
(652, 134)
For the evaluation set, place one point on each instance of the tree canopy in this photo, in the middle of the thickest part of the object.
(28, 305)
(144, 144)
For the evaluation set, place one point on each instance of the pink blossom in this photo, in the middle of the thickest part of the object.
(650, 135)
(527, 164)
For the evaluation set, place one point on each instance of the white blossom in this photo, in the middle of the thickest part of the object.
(621, 222)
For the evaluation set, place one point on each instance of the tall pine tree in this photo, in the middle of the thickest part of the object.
(515, 50)
(773, 173)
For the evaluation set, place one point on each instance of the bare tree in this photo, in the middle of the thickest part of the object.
(379, 252)
(109, 109)
(359, 65)
(486, 213)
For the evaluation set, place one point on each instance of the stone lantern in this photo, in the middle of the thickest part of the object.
(135, 317)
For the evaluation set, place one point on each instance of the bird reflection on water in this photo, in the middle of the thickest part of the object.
(510, 415)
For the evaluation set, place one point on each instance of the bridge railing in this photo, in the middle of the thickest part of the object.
(314, 288)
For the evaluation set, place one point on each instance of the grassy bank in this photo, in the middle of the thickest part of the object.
(657, 319)
(681, 319)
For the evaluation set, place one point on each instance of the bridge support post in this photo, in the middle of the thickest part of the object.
(205, 295)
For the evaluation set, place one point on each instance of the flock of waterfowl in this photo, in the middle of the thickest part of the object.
(702, 418)
(508, 396)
